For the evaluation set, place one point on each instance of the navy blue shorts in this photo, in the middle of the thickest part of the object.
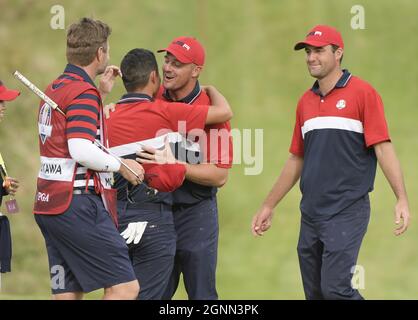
(85, 250)
(153, 257)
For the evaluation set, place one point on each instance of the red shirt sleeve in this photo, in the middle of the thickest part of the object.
(374, 122)
(296, 146)
(187, 117)
(83, 116)
(219, 145)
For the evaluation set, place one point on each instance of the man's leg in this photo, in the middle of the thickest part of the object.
(199, 273)
(85, 250)
(342, 237)
(68, 296)
(173, 281)
(64, 285)
(197, 231)
(124, 291)
(153, 257)
(310, 260)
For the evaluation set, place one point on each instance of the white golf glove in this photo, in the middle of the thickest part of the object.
(134, 232)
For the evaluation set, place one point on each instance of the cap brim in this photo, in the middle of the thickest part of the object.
(303, 44)
(9, 95)
(178, 54)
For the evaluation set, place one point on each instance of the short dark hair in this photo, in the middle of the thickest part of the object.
(84, 38)
(136, 67)
(334, 48)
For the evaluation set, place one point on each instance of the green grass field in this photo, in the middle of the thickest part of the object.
(250, 58)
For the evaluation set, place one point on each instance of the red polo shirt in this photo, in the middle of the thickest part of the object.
(218, 143)
(137, 118)
(334, 135)
(219, 150)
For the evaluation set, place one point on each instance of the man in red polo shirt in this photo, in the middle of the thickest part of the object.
(339, 134)
(195, 205)
(140, 120)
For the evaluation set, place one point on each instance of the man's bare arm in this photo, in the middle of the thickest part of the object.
(389, 163)
(289, 176)
(206, 174)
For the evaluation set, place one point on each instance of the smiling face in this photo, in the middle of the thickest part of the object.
(179, 77)
(322, 61)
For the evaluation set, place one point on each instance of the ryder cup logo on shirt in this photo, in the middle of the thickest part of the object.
(340, 104)
(44, 124)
